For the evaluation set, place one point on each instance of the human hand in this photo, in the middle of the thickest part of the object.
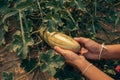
(90, 49)
(70, 56)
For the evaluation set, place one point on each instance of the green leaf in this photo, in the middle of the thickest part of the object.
(68, 73)
(6, 28)
(47, 56)
(44, 67)
(52, 70)
(51, 25)
(18, 46)
(24, 4)
(73, 17)
(28, 64)
(9, 15)
(80, 5)
(29, 40)
(51, 62)
(111, 71)
(7, 76)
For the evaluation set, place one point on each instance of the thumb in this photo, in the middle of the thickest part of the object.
(81, 40)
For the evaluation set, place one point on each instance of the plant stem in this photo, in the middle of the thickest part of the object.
(35, 32)
(72, 18)
(95, 8)
(38, 42)
(27, 73)
(21, 25)
(93, 26)
(82, 9)
(118, 3)
(40, 8)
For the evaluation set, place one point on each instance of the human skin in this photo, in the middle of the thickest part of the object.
(78, 61)
(90, 49)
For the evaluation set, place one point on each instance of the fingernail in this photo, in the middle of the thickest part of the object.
(55, 47)
(75, 38)
(56, 53)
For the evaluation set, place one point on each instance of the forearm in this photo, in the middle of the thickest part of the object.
(111, 52)
(92, 72)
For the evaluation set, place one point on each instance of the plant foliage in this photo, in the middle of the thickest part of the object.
(20, 21)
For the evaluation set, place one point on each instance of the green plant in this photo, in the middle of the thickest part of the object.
(21, 19)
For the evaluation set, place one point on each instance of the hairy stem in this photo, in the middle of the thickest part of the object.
(21, 26)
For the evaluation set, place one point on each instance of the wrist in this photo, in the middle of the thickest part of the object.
(106, 53)
(81, 63)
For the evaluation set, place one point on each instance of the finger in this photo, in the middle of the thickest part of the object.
(83, 51)
(91, 56)
(56, 52)
(60, 50)
(81, 40)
